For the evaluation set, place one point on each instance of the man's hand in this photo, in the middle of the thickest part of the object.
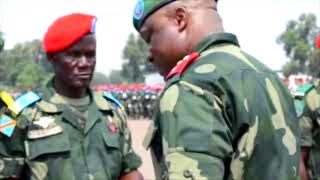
(303, 171)
(133, 175)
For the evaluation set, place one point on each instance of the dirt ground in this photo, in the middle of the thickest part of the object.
(138, 130)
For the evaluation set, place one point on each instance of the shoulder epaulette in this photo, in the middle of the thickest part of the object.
(111, 98)
(182, 65)
(304, 89)
(24, 101)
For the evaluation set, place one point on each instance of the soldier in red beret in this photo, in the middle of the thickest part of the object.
(65, 131)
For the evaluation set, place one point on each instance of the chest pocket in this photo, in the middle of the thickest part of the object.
(46, 146)
(113, 153)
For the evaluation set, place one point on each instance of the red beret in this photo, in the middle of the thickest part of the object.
(67, 30)
(318, 41)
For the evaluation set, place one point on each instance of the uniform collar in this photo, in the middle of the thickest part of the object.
(53, 102)
(215, 39)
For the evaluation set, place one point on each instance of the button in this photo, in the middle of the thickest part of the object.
(187, 173)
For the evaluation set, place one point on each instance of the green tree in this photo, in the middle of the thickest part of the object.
(23, 66)
(314, 63)
(115, 77)
(291, 67)
(298, 42)
(99, 79)
(135, 55)
(1, 41)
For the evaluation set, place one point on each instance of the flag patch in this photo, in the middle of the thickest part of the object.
(7, 125)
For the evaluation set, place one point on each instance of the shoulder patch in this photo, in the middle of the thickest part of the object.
(304, 89)
(111, 98)
(24, 101)
(7, 125)
(6, 98)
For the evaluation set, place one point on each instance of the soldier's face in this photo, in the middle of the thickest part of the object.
(167, 41)
(75, 66)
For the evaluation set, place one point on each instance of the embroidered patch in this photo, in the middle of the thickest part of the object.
(6, 98)
(93, 26)
(138, 10)
(7, 125)
(24, 101)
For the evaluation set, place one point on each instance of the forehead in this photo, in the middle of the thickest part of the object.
(88, 41)
(152, 20)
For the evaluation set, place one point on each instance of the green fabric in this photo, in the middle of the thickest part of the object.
(144, 8)
(226, 117)
(305, 88)
(310, 128)
(57, 147)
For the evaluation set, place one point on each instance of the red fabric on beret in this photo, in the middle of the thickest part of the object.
(67, 30)
(318, 41)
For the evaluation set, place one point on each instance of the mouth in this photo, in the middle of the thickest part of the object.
(83, 76)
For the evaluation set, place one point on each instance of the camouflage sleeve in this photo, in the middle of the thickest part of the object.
(130, 161)
(196, 137)
(12, 152)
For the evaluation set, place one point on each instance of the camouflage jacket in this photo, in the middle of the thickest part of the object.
(224, 116)
(49, 143)
(310, 127)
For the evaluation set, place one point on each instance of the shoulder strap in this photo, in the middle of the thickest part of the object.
(111, 98)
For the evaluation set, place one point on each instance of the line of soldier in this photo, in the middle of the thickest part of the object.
(138, 104)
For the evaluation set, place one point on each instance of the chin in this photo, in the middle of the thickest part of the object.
(81, 84)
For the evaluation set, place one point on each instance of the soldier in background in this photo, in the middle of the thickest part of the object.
(65, 131)
(309, 120)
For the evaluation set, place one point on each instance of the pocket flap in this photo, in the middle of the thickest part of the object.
(48, 145)
(112, 140)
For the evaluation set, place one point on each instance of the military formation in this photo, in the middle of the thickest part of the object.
(138, 104)
(222, 114)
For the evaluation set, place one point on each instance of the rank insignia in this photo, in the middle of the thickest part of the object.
(112, 125)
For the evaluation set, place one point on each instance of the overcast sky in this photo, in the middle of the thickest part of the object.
(257, 23)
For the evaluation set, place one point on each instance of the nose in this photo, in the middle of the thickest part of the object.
(83, 61)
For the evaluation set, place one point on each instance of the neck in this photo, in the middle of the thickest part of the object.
(209, 24)
(68, 91)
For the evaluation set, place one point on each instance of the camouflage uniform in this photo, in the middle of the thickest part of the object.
(58, 139)
(224, 116)
(310, 127)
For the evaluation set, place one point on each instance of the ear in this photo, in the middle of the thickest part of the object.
(181, 17)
